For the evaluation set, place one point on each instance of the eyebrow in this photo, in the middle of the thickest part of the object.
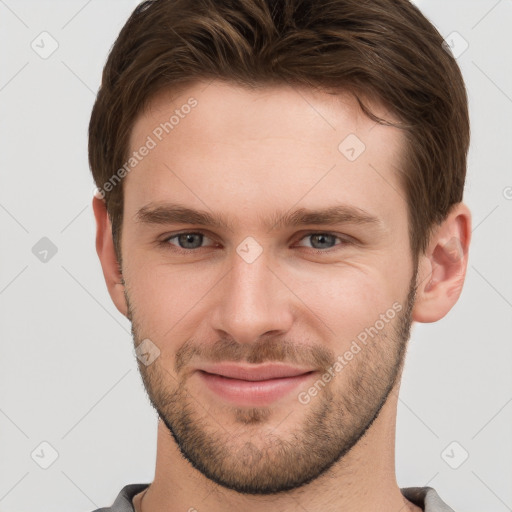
(178, 214)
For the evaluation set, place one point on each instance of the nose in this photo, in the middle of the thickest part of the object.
(253, 302)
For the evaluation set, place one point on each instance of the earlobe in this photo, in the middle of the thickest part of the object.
(107, 255)
(442, 269)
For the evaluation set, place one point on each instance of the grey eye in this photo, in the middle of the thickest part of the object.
(321, 240)
(188, 240)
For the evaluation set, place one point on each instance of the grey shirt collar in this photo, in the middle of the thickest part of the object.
(424, 497)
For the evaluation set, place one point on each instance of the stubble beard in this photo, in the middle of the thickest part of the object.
(240, 452)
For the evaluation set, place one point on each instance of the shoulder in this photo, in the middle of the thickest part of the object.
(426, 498)
(123, 502)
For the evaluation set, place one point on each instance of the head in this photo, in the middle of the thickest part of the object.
(279, 181)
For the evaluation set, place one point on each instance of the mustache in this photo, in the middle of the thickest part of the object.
(265, 350)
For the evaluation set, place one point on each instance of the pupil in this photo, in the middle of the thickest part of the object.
(322, 240)
(187, 240)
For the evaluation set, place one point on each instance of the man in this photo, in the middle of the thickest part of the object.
(279, 198)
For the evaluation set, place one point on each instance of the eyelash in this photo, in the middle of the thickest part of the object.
(166, 244)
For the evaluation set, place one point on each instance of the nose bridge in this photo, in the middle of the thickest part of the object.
(253, 301)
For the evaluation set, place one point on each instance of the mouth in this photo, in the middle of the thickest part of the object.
(253, 385)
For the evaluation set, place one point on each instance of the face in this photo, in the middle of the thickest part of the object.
(266, 227)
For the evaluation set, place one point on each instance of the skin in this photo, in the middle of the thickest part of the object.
(302, 300)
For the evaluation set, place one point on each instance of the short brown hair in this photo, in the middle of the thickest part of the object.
(384, 50)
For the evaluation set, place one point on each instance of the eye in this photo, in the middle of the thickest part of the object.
(187, 240)
(321, 241)
(190, 241)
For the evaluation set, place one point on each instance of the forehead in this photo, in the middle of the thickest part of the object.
(231, 148)
(224, 109)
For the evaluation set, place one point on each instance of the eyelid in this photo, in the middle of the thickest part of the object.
(166, 238)
(344, 239)
(328, 233)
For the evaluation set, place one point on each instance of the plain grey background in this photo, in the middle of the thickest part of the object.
(68, 373)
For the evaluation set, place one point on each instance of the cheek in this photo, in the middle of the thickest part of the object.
(333, 300)
(347, 299)
(166, 297)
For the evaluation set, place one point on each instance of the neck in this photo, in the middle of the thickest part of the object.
(364, 480)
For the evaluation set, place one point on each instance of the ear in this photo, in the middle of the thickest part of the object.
(442, 269)
(107, 255)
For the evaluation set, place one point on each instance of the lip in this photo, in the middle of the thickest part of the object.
(254, 372)
(253, 385)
